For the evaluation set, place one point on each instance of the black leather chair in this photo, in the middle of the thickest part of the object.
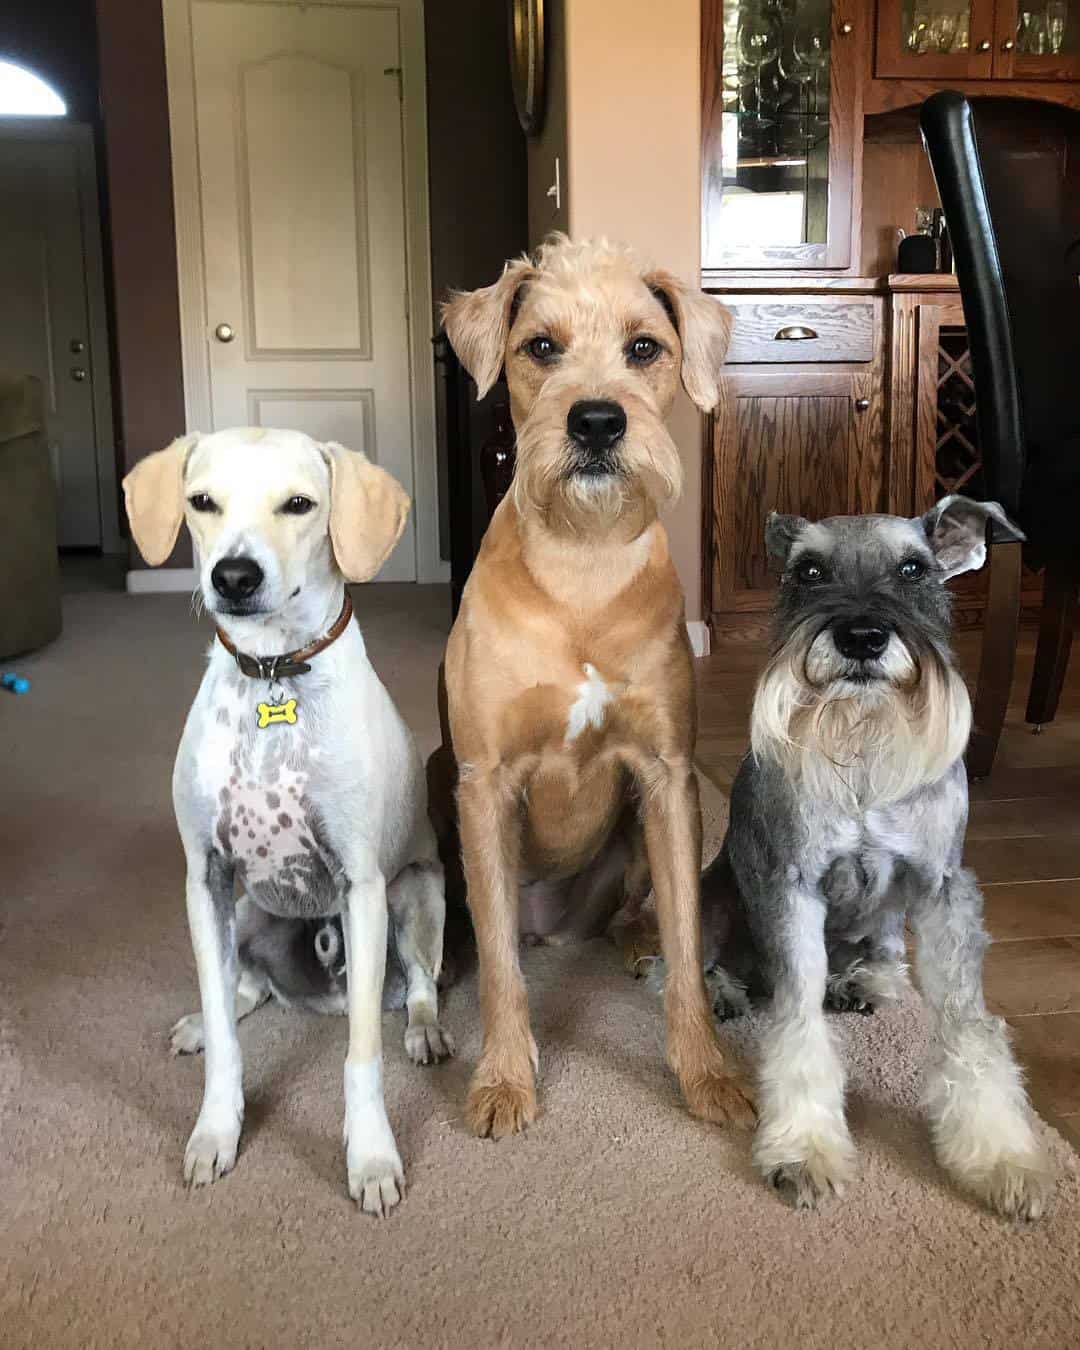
(1008, 174)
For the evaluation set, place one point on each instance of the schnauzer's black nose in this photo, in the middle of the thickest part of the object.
(860, 639)
(236, 578)
(596, 423)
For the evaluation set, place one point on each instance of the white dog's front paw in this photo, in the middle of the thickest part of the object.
(211, 1150)
(428, 1043)
(808, 1170)
(376, 1184)
(186, 1037)
(1017, 1185)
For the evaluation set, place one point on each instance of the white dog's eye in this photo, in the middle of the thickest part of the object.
(810, 572)
(912, 569)
(643, 350)
(298, 506)
(202, 501)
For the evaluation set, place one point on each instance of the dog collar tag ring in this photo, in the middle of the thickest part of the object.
(277, 714)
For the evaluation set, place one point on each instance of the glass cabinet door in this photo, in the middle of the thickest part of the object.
(1038, 40)
(935, 39)
(778, 85)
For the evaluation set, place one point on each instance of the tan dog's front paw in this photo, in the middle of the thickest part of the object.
(500, 1108)
(724, 1098)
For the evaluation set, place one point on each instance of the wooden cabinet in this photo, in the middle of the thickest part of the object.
(799, 434)
(780, 132)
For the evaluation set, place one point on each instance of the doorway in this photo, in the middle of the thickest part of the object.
(302, 232)
(53, 321)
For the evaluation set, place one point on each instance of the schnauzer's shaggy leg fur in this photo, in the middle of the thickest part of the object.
(980, 1119)
(863, 975)
(802, 1145)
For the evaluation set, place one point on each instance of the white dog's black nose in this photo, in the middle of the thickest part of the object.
(596, 424)
(860, 639)
(236, 578)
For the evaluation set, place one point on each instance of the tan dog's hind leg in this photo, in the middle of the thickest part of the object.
(672, 819)
(502, 1096)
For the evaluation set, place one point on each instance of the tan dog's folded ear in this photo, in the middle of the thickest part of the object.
(154, 494)
(704, 328)
(368, 510)
(478, 323)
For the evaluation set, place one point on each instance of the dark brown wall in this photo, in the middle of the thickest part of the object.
(138, 169)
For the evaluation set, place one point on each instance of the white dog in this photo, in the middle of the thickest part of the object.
(296, 778)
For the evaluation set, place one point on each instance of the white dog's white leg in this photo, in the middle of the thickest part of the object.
(980, 1119)
(376, 1177)
(188, 1037)
(802, 1145)
(417, 901)
(211, 1150)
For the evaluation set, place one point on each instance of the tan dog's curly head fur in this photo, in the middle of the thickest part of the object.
(588, 322)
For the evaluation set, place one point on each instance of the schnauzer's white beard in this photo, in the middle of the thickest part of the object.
(859, 744)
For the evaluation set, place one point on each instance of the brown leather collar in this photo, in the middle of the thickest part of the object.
(289, 663)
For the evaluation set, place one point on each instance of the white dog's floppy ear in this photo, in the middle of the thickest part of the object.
(704, 329)
(154, 494)
(368, 510)
(956, 528)
(781, 532)
(478, 323)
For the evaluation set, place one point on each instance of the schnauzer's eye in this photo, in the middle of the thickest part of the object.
(912, 569)
(542, 348)
(202, 501)
(810, 572)
(297, 506)
(643, 350)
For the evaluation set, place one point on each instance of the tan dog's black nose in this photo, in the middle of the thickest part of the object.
(596, 424)
(236, 578)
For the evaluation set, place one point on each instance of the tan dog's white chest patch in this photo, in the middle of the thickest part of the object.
(590, 707)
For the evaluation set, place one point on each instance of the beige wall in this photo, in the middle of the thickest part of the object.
(631, 128)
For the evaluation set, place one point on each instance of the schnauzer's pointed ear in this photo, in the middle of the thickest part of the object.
(781, 532)
(704, 329)
(478, 323)
(956, 528)
(368, 510)
(154, 496)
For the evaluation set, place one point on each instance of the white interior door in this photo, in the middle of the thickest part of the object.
(298, 115)
(44, 318)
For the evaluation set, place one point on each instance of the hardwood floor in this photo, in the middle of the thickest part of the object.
(1023, 842)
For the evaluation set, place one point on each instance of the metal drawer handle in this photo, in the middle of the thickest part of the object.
(795, 332)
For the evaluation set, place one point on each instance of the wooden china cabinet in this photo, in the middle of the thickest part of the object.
(847, 386)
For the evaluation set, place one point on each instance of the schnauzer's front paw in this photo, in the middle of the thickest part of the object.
(376, 1184)
(841, 996)
(721, 1097)
(428, 1043)
(1017, 1186)
(186, 1037)
(728, 995)
(500, 1108)
(824, 1168)
(211, 1150)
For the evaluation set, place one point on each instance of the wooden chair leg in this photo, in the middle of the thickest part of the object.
(998, 657)
(1060, 587)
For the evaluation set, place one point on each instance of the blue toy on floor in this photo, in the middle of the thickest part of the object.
(15, 683)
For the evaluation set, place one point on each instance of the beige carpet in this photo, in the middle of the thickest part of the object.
(617, 1221)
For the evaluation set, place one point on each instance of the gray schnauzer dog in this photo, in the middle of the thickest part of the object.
(847, 817)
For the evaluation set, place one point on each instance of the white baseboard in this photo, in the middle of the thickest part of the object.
(699, 636)
(152, 581)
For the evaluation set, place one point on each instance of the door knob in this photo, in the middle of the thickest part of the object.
(861, 404)
(847, 29)
(76, 346)
(224, 332)
(78, 374)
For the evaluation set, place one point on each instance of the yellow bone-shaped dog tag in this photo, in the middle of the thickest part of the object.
(272, 713)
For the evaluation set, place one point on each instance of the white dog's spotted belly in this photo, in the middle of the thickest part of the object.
(267, 825)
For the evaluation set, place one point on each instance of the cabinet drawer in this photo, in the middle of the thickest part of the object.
(797, 331)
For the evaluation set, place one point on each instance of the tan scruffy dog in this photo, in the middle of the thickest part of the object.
(568, 672)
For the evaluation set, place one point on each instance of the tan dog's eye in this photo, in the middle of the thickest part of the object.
(643, 350)
(202, 501)
(543, 349)
(297, 506)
